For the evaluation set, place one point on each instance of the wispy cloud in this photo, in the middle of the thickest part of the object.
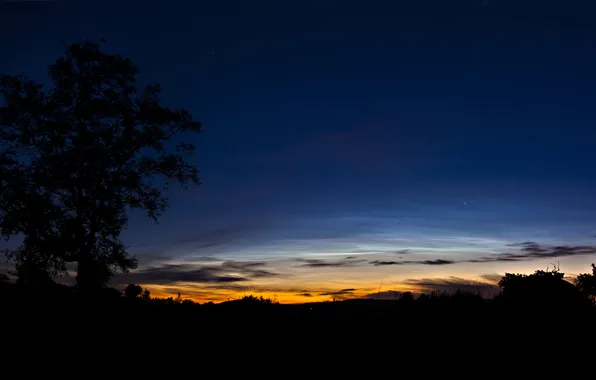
(204, 241)
(219, 236)
(384, 295)
(437, 262)
(400, 252)
(341, 294)
(412, 262)
(384, 262)
(171, 274)
(316, 263)
(453, 284)
(226, 272)
(492, 278)
(526, 251)
(532, 251)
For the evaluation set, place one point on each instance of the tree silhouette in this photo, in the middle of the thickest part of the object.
(586, 283)
(76, 158)
(540, 289)
(133, 291)
(406, 298)
(146, 296)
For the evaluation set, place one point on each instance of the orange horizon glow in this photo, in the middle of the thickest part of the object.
(357, 282)
(158, 291)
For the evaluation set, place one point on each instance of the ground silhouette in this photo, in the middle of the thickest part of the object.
(544, 293)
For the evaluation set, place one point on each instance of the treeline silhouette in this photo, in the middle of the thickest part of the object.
(544, 293)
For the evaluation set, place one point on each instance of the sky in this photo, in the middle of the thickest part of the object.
(353, 148)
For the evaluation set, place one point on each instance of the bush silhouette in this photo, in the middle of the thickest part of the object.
(586, 283)
(542, 289)
(133, 291)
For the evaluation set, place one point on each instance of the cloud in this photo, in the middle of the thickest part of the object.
(381, 262)
(349, 290)
(315, 263)
(436, 262)
(531, 251)
(171, 274)
(179, 246)
(196, 259)
(384, 295)
(216, 237)
(382, 251)
(411, 262)
(492, 278)
(234, 287)
(341, 294)
(201, 240)
(520, 244)
(251, 269)
(304, 294)
(226, 273)
(526, 251)
(453, 284)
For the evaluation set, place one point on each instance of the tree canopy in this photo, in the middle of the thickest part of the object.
(542, 288)
(586, 283)
(133, 291)
(75, 158)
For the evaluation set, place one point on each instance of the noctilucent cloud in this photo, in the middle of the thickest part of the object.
(353, 148)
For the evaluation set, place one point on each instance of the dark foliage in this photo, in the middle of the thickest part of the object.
(133, 291)
(586, 284)
(542, 289)
(541, 296)
(76, 157)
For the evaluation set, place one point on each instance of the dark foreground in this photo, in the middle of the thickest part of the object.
(436, 335)
(434, 313)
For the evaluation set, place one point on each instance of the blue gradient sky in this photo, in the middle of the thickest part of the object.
(357, 128)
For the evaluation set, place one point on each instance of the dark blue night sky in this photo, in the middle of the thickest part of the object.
(448, 128)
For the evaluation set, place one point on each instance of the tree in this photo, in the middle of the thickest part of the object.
(133, 291)
(586, 283)
(146, 296)
(76, 158)
(406, 298)
(542, 288)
